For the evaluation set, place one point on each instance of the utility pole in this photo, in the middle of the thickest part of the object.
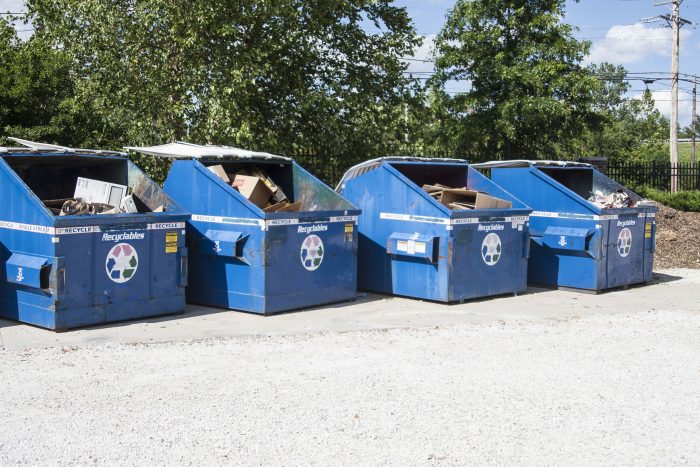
(676, 22)
(675, 16)
(693, 128)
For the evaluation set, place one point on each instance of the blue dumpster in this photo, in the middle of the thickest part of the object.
(65, 271)
(244, 258)
(411, 244)
(596, 244)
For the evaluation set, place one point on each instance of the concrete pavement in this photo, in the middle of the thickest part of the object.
(672, 290)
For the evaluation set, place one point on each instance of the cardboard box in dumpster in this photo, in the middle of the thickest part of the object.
(96, 191)
(476, 199)
(219, 170)
(277, 194)
(462, 198)
(253, 188)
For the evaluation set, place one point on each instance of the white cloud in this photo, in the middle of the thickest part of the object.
(634, 43)
(424, 52)
(662, 102)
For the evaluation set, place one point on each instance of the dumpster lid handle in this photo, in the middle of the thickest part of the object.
(197, 151)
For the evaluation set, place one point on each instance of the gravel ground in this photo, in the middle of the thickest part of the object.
(596, 390)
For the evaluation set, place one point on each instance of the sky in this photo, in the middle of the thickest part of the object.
(617, 33)
(614, 27)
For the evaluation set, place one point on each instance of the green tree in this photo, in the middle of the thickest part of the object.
(633, 129)
(611, 94)
(529, 94)
(266, 75)
(35, 85)
(687, 132)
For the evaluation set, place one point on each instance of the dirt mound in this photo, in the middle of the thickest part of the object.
(677, 239)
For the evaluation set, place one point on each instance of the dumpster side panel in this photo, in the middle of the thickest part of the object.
(567, 260)
(104, 273)
(225, 239)
(314, 194)
(391, 205)
(649, 244)
(148, 191)
(26, 231)
(479, 182)
(539, 191)
(226, 275)
(320, 256)
(490, 258)
(412, 274)
(625, 261)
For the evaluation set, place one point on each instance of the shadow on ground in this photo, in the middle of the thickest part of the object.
(662, 278)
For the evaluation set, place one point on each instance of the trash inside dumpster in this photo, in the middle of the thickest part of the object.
(265, 235)
(588, 231)
(73, 261)
(436, 229)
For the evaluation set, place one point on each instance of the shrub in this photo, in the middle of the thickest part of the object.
(682, 201)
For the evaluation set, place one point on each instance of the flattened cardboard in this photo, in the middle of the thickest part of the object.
(484, 201)
(476, 198)
(275, 207)
(294, 207)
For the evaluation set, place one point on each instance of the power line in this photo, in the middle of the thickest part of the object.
(675, 21)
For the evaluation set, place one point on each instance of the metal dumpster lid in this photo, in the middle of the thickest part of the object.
(404, 159)
(34, 147)
(368, 165)
(197, 151)
(528, 163)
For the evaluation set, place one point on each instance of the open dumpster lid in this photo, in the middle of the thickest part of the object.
(371, 164)
(34, 147)
(188, 150)
(528, 163)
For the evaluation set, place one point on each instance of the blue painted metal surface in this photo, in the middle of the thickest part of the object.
(62, 272)
(412, 245)
(245, 259)
(573, 242)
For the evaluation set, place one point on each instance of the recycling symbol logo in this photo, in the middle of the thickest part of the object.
(624, 242)
(311, 252)
(491, 249)
(122, 262)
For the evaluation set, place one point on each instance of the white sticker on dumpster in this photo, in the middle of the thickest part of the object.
(624, 242)
(491, 249)
(311, 253)
(411, 250)
(121, 236)
(122, 262)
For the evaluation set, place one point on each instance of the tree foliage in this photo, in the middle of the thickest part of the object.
(270, 75)
(530, 96)
(35, 87)
(633, 129)
(323, 77)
